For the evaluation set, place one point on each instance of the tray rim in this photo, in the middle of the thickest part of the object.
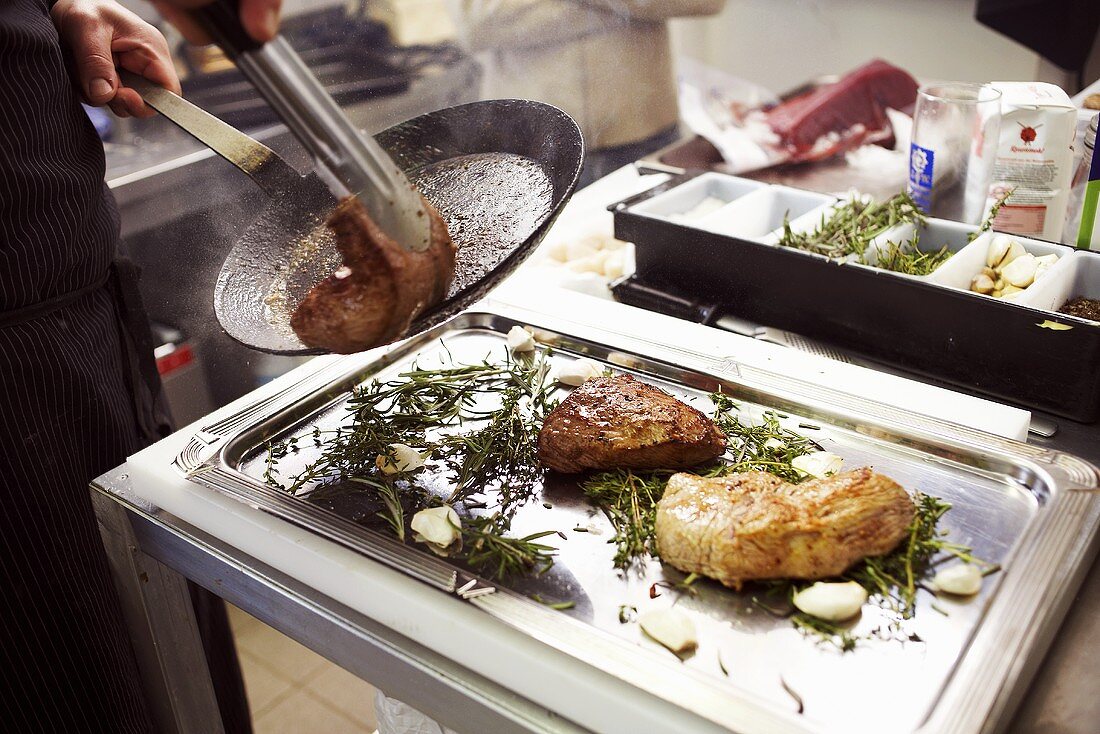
(1065, 530)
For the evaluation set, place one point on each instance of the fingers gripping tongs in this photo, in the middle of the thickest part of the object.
(348, 161)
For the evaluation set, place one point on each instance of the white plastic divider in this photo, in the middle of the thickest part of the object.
(969, 261)
(756, 214)
(675, 202)
(1075, 275)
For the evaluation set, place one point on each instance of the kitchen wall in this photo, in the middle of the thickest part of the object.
(782, 43)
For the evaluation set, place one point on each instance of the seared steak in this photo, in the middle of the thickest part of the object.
(756, 526)
(611, 422)
(381, 288)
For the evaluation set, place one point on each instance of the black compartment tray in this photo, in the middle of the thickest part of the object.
(1003, 349)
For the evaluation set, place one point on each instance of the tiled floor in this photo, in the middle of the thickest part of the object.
(293, 689)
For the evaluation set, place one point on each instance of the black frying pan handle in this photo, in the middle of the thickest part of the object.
(222, 20)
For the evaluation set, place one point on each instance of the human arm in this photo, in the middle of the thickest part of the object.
(101, 34)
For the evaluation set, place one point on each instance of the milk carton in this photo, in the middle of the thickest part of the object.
(1034, 159)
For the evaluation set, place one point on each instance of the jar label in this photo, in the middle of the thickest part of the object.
(921, 163)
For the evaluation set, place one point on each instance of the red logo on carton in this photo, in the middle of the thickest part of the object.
(1028, 133)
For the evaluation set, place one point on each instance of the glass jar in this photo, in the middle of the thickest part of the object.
(1078, 188)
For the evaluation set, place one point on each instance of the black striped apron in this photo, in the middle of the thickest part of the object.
(69, 332)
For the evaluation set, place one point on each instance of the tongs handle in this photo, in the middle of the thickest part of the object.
(270, 172)
(354, 162)
(221, 20)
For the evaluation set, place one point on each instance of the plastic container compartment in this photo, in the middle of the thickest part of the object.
(677, 203)
(968, 262)
(1079, 277)
(933, 235)
(761, 212)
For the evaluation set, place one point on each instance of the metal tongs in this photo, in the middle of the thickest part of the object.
(348, 161)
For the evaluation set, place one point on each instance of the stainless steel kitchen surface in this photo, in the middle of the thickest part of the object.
(953, 666)
(182, 207)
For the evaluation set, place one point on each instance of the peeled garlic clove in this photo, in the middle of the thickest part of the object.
(1021, 271)
(998, 249)
(557, 251)
(614, 266)
(1011, 290)
(833, 602)
(990, 273)
(579, 249)
(437, 526)
(963, 579)
(670, 627)
(402, 458)
(982, 283)
(1003, 250)
(576, 372)
(818, 464)
(520, 339)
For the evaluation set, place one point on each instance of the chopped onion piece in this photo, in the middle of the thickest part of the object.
(520, 339)
(963, 579)
(670, 627)
(818, 464)
(404, 459)
(575, 373)
(436, 526)
(833, 602)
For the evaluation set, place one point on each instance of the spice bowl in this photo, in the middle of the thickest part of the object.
(692, 201)
(1077, 275)
(757, 214)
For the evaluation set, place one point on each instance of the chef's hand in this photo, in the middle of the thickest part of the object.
(260, 18)
(102, 34)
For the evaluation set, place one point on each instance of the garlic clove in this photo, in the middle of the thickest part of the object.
(774, 444)
(819, 464)
(1003, 249)
(577, 371)
(990, 273)
(520, 339)
(1021, 271)
(436, 526)
(402, 458)
(670, 627)
(833, 602)
(982, 283)
(963, 579)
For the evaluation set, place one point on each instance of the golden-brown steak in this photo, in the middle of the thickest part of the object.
(755, 526)
(381, 288)
(611, 422)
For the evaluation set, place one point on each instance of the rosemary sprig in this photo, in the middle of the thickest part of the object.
(502, 556)
(442, 410)
(908, 258)
(849, 226)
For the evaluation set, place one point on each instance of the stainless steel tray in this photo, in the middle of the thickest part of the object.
(1032, 510)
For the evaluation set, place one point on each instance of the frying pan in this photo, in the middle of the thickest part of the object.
(498, 172)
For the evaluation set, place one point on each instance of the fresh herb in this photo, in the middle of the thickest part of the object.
(722, 665)
(629, 500)
(849, 226)
(501, 556)
(558, 605)
(987, 223)
(825, 631)
(441, 411)
(894, 576)
(909, 259)
(393, 513)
